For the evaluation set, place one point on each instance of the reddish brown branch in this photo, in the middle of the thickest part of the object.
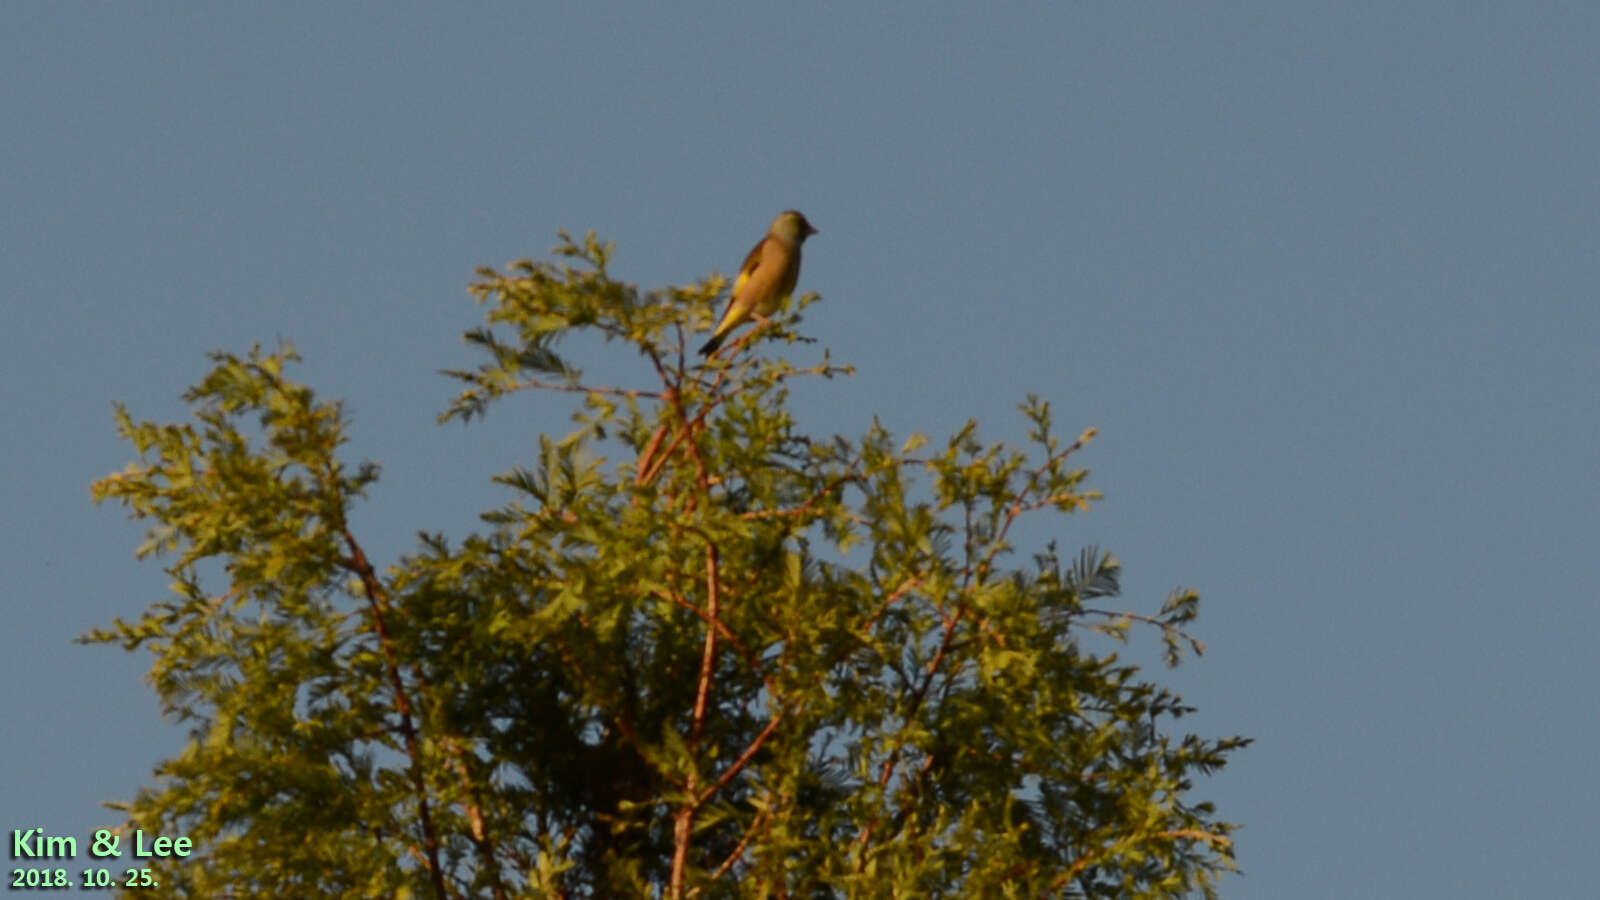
(683, 820)
(377, 602)
(907, 586)
(1022, 504)
(917, 698)
(744, 759)
(709, 655)
(807, 506)
(738, 849)
(647, 459)
(477, 830)
(750, 659)
(678, 437)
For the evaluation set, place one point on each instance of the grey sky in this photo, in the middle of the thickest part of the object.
(1324, 276)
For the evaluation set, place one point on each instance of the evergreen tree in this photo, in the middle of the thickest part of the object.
(740, 661)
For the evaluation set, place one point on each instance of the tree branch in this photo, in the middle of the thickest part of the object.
(1089, 859)
(377, 602)
(738, 850)
(750, 659)
(683, 822)
(744, 758)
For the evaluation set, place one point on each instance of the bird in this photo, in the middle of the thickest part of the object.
(767, 277)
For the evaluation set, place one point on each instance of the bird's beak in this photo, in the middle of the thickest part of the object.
(810, 231)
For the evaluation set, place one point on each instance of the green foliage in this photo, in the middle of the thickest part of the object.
(740, 662)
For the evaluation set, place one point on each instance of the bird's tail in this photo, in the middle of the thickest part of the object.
(712, 345)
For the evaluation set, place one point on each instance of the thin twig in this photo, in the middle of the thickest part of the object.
(750, 659)
(744, 758)
(476, 829)
(1022, 504)
(738, 850)
(536, 384)
(1089, 859)
(377, 601)
(805, 507)
(917, 698)
(907, 586)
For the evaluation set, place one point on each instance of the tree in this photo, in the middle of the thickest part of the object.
(741, 662)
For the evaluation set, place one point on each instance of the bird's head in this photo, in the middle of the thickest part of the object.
(792, 227)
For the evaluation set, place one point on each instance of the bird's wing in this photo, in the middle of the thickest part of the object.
(751, 263)
(738, 304)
